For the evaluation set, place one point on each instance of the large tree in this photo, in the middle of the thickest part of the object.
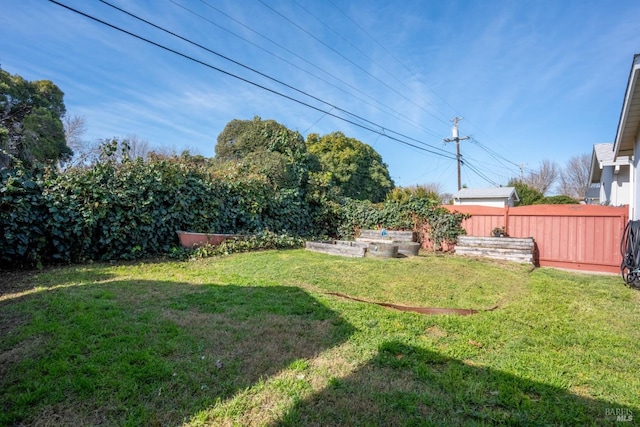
(243, 137)
(31, 128)
(353, 166)
(266, 147)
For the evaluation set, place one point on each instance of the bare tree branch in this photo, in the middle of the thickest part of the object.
(574, 179)
(74, 129)
(544, 178)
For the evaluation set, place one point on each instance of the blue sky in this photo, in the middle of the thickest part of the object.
(534, 80)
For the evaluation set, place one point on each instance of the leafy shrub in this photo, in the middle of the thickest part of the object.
(23, 216)
(556, 200)
(132, 209)
(403, 194)
(260, 241)
(126, 209)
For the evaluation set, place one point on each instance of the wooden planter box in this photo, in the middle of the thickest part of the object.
(505, 248)
(190, 240)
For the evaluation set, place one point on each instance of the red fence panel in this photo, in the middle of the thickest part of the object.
(483, 218)
(582, 237)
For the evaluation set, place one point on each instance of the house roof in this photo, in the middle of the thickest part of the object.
(603, 152)
(630, 114)
(603, 155)
(487, 193)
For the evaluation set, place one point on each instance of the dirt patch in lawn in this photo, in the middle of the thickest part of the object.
(15, 282)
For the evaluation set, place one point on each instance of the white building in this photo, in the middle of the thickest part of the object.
(611, 174)
(497, 197)
(627, 142)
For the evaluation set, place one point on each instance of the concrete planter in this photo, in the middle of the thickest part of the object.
(191, 240)
(382, 250)
(408, 248)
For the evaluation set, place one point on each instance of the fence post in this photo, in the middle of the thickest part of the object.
(506, 221)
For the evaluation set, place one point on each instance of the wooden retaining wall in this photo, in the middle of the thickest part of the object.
(390, 245)
(342, 249)
(505, 248)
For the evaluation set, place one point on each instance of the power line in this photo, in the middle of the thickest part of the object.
(231, 60)
(363, 53)
(293, 53)
(347, 59)
(315, 123)
(265, 75)
(384, 108)
(475, 170)
(504, 165)
(190, 58)
(409, 70)
(393, 56)
(379, 106)
(492, 154)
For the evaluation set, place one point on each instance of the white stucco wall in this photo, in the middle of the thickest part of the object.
(622, 188)
(634, 197)
(615, 189)
(494, 203)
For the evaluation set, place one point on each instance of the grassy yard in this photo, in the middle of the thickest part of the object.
(254, 339)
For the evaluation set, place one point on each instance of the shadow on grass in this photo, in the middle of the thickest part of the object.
(151, 352)
(408, 386)
(14, 283)
(159, 353)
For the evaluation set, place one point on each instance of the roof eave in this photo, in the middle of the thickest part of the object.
(595, 169)
(626, 133)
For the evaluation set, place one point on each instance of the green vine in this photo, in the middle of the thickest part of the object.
(424, 216)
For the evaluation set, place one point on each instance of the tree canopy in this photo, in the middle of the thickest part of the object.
(31, 128)
(527, 194)
(425, 191)
(242, 137)
(353, 166)
(265, 147)
(544, 177)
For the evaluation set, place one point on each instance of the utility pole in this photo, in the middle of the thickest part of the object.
(522, 165)
(457, 139)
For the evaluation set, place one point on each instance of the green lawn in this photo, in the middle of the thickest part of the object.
(254, 339)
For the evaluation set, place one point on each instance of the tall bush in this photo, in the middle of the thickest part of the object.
(125, 209)
(23, 215)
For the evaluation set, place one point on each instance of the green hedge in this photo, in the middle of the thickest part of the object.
(132, 209)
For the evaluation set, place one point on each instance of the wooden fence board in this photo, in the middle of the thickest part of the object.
(583, 237)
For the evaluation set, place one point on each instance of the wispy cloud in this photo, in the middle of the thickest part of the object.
(530, 78)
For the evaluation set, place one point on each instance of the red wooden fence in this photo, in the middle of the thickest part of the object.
(581, 237)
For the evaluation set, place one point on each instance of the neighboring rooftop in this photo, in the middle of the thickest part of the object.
(603, 155)
(486, 193)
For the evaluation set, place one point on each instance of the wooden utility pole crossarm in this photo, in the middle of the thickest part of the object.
(457, 139)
